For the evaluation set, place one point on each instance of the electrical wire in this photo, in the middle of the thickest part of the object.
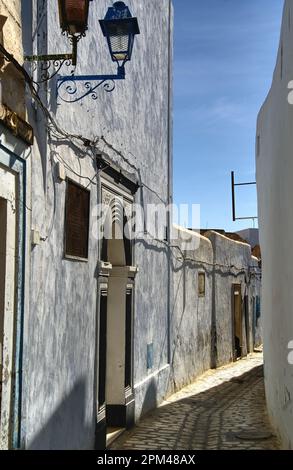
(54, 127)
(92, 145)
(184, 259)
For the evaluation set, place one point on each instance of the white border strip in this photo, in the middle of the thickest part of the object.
(151, 376)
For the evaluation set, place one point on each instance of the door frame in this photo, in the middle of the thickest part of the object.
(237, 287)
(110, 186)
(11, 162)
(247, 322)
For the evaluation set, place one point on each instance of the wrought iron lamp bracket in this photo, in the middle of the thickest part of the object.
(51, 64)
(72, 89)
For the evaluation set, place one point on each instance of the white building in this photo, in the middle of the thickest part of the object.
(274, 162)
(84, 322)
(251, 235)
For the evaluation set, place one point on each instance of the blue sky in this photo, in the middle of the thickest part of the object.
(225, 54)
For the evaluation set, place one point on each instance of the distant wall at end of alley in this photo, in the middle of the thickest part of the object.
(202, 318)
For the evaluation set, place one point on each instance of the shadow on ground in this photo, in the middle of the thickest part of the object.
(229, 416)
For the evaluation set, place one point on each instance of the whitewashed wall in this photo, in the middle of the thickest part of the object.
(202, 327)
(274, 164)
(192, 314)
(61, 323)
(233, 264)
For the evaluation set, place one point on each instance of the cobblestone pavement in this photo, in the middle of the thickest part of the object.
(222, 409)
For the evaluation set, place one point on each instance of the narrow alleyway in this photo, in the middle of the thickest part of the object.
(223, 409)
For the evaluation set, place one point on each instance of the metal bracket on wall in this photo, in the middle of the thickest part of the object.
(50, 65)
(74, 88)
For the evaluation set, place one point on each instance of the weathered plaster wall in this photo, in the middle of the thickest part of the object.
(60, 336)
(12, 29)
(231, 258)
(202, 327)
(274, 178)
(192, 314)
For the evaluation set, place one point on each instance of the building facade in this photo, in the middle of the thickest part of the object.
(274, 169)
(94, 320)
(16, 138)
(236, 297)
(251, 235)
(100, 318)
(217, 296)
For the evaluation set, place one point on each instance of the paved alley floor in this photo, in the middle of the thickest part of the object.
(224, 409)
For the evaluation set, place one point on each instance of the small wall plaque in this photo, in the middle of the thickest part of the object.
(201, 284)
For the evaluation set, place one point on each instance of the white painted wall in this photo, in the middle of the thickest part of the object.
(62, 321)
(274, 161)
(192, 314)
(233, 264)
(7, 307)
(202, 327)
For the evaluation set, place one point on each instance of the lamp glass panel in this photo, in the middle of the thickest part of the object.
(119, 47)
(76, 11)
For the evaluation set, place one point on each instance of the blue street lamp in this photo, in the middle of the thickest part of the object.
(119, 28)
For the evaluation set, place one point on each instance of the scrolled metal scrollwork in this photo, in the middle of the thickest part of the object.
(47, 70)
(72, 90)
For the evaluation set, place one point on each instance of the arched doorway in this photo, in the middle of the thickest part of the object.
(117, 274)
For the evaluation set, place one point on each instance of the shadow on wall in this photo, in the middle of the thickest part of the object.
(150, 400)
(179, 305)
(189, 356)
(67, 428)
(165, 352)
(34, 114)
(166, 348)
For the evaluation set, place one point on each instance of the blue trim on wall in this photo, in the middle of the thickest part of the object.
(17, 165)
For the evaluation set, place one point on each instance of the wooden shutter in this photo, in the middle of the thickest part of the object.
(77, 221)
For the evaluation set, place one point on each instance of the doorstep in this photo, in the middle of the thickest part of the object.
(113, 434)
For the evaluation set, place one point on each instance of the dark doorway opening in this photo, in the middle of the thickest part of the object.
(237, 321)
